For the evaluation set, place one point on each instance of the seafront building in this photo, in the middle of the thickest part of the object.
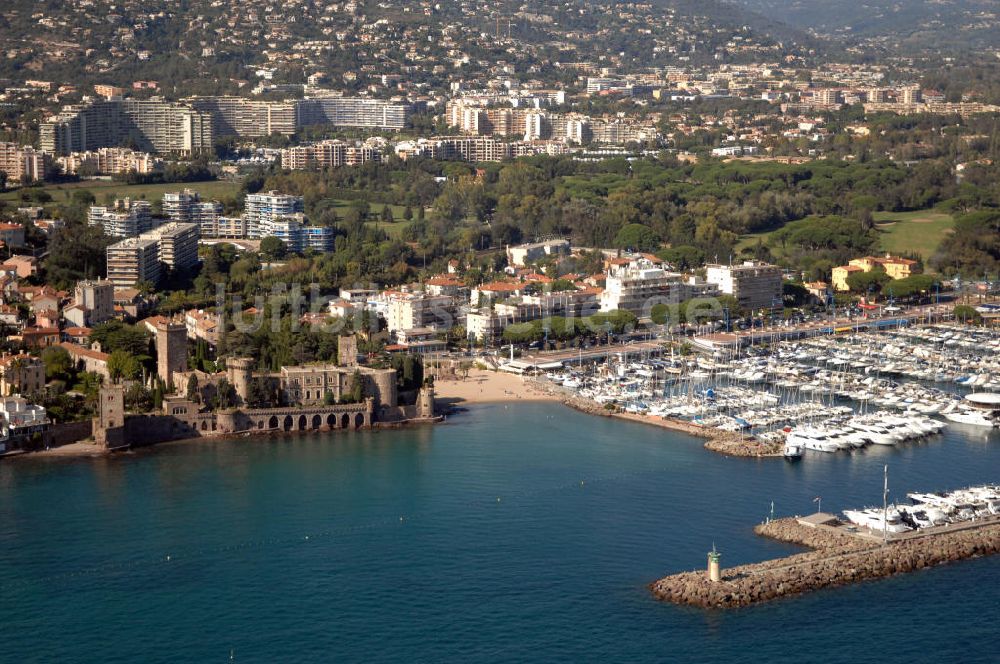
(639, 285)
(895, 267)
(754, 284)
(408, 311)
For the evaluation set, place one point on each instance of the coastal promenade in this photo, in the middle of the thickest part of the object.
(840, 556)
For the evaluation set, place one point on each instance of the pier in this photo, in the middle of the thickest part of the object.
(840, 555)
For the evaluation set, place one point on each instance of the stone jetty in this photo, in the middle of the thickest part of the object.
(838, 557)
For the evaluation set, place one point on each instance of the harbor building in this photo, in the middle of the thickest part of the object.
(754, 284)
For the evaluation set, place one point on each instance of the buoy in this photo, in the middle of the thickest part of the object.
(168, 559)
(498, 499)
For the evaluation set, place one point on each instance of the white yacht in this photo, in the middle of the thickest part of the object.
(982, 409)
(872, 518)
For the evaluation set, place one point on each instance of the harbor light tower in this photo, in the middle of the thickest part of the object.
(714, 570)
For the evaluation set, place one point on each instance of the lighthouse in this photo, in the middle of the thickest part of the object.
(714, 571)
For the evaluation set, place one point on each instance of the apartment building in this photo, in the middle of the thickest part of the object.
(125, 218)
(754, 284)
(297, 236)
(110, 161)
(353, 112)
(261, 209)
(406, 311)
(23, 163)
(327, 154)
(153, 126)
(637, 286)
(523, 254)
(177, 244)
(187, 207)
(133, 261)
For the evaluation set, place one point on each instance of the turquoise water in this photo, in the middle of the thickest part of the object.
(511, 534)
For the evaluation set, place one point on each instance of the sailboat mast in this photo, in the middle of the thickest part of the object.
(885, 503)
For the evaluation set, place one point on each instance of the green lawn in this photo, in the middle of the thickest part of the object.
(919, 232)
(215, 189)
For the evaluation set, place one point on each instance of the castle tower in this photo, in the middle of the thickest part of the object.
(347, 351)
(385, 391)
(171, 350)
(109, 421)
(425, 402)
(240, 371)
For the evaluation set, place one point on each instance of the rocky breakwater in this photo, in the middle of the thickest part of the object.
(733, 444)
(838, 558)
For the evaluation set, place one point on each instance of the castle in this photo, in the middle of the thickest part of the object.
(312, 397)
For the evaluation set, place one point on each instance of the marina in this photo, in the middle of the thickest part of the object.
(793, 398)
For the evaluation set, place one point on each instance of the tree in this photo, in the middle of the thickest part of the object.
(116, 335)
(122, 365)
(273, 249)
(58, 363)
(872, 281)
(966, 314)
(637, 237)
(192, 388)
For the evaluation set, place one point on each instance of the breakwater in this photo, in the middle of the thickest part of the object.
(721, 442)
(838, 557)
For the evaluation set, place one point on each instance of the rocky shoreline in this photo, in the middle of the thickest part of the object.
(838, 558)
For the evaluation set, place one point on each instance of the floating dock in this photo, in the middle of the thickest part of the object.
(840, 555)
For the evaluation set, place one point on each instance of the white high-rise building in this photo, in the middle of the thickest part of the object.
(262, 209)
(754, 284)
(636, 287)
(126, 218)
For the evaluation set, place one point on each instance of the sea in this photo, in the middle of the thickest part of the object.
(521, 532)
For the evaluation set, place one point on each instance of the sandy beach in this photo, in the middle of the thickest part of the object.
(488, 387)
